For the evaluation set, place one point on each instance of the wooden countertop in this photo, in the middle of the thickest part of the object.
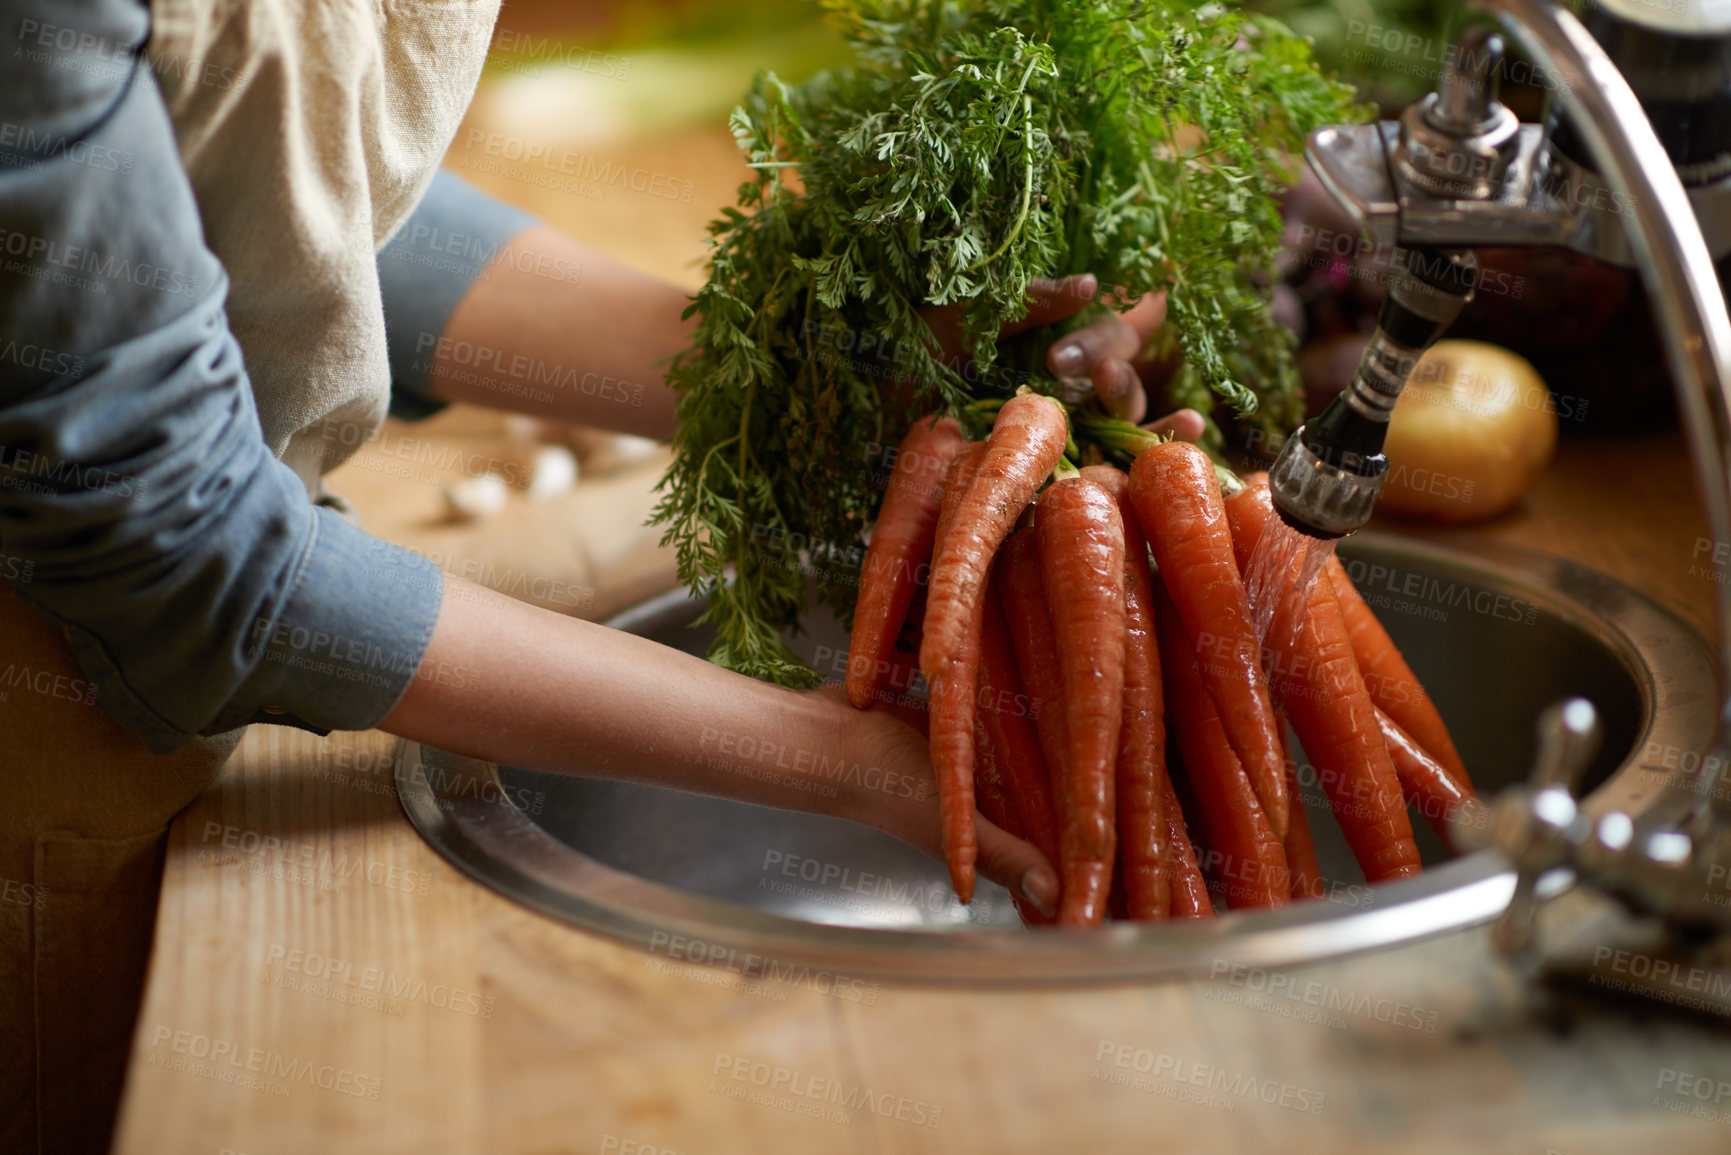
(322, 981)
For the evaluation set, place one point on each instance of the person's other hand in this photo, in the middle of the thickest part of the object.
(1101, 352)
(898, 794)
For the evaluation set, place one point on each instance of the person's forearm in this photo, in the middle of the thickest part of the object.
(555, 329)
(523, 686)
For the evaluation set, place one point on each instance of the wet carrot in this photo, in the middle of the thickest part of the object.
(1300, 845)
(1427, 785)
(1142, 849)
(1081, 537)
(901, 544)
(1208, 860)
(1251, 860)
(1030, 626)
(989, 788)
(1317, 680)
(1176, 495)
(1026, 441)
(992, 790)
(1189, 890)
(1006, 713)
(950, 734)
(963, 466)
(1393, 686)
(1117, 901)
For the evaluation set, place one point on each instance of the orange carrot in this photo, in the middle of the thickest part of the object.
(989, 787)
(1030, 625)
(1177, 500)
(1081, 538)
(963, 466)
(1428, 786)
(1142, 847)
(1189, 891)
(1027, 440)
(1318, 682)
(1117, 901)
(1393, 686)
(900, 545)
(950, 734)
(1251, 860)
(1300, 844)
(1207, 859)
(992, 788)
(1005, 711)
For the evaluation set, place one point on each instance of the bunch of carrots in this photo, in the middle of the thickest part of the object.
(1097, 685)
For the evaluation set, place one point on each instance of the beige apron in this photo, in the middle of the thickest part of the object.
(82, 832)
(309, 129)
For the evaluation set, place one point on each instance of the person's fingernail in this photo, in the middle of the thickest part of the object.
(1041, 889)
(1117, 384)
(1190, 424)
(1067, 357)
(1087, 285)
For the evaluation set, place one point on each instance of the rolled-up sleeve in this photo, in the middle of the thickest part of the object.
(198, 586)
(448, 243)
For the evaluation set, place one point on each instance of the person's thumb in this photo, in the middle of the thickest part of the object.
(1017, 866)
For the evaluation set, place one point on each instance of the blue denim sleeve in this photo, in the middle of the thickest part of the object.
(199, 587)
(446, 245)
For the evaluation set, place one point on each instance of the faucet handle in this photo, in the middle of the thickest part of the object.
(1466, 101)
(1458, 142)
(1536, 825)
(1569, 737)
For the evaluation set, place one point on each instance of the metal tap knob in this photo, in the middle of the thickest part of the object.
(1679, 872)
(1458, 142)
(1538, 825)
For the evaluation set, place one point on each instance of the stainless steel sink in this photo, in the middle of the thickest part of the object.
(1495, 633)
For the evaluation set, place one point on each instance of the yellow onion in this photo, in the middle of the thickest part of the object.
(1472, 430)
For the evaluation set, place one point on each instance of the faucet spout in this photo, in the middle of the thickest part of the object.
(1328, 476)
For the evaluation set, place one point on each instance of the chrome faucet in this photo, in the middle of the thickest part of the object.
(1632, 165)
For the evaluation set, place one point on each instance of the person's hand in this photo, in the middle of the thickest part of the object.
(1100, 353)
(905, 802)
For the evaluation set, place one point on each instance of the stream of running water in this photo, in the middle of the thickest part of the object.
(1282, 571)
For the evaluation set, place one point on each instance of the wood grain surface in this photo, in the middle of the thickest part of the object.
(323, 982)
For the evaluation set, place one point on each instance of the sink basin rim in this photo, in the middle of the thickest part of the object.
(499, 845)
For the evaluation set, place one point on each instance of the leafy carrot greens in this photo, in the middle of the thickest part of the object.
(971, 149)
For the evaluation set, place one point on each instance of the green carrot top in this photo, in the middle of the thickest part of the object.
(972, 148)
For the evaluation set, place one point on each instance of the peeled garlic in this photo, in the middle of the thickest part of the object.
(477, 497)
(552, 473)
